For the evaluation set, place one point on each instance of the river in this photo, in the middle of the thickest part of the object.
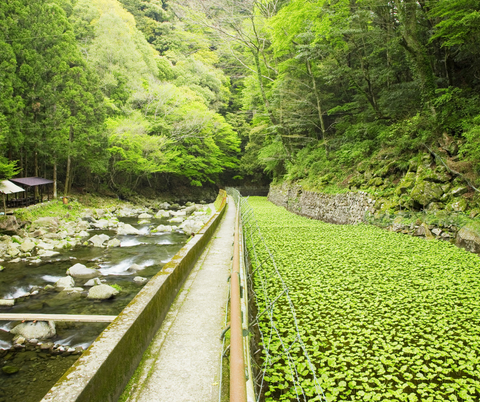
(39, 370)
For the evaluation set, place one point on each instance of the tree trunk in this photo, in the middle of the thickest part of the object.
(68, 174)
(55, 179)
(417, 50)
(36, 174)
(319, 104)
(25, 172)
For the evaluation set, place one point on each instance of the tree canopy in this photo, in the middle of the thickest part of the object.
(135, 92)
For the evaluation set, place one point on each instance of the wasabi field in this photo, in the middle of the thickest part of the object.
(384, 316)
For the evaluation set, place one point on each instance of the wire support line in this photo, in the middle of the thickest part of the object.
(265, 321)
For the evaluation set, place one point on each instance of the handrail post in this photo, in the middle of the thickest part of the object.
(237, 365)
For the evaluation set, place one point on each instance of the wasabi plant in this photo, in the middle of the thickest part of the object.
(384, 317)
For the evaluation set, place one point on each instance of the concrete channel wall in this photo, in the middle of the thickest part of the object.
(103, 370)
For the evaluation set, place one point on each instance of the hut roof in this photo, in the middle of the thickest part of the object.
(32, 181)
(7, 187)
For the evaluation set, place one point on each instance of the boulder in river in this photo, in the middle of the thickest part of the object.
(92, 282)
(162, 214)
(13, 250)
(47, 345)
(179, 213)
(35, 330)
(135, 268)
(38, 233)
(102, 292)
(178, 219)
(126, 229)
(113, 243)
(47, 253)
(98, 240)
(144, 216)
(82, 225)
(165, 228)
(7, 302)
(68, 296)
(100, 224)
(140, 279)
(190, 209)
(99, 213)
(125, 211)
(64, 283)
(82, 272)
(191, 226)
(164, 205)
(27, 246)
(45, 246)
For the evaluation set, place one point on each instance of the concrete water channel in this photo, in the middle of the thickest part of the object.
(162, 257)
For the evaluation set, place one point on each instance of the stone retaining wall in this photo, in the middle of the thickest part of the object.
(347, 208)
(350, 208)
(103, 370)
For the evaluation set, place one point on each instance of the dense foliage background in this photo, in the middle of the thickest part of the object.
(86, 95)
(331, 83)
(151, 92)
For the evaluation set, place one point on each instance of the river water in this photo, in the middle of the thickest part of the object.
(39, 370)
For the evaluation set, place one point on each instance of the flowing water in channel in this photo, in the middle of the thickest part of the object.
(39, 370)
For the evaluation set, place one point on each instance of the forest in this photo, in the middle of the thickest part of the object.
(128, 94)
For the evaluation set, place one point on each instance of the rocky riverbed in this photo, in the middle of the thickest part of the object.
(94, 264)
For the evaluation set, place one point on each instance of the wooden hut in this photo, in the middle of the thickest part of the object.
(29, 184)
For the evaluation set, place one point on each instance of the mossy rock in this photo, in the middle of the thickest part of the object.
(324, 180)
(390, 205)
(435, 206)
(426, 192)
(426, 159)
(406, 184)
(460, 205)
(468, 237)
(405, 202)
(436, 176)
(356, 181)
(375, 182)
(362, 167)
(446, 187)
(10, 369)
(458, 191)
(474, 212)
(413, 165)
